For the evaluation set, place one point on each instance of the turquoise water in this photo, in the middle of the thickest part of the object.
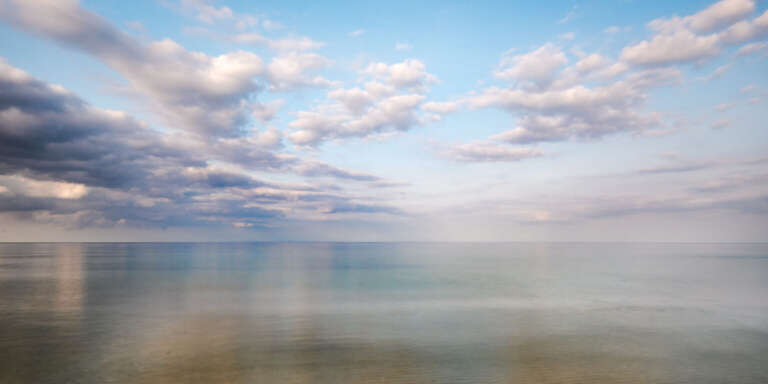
(384, 313)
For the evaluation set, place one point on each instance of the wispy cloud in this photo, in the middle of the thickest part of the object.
(403, 47)
(357, 33)
(570, 15)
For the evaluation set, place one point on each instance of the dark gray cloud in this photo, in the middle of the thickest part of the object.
(48, 132)
(65, 161)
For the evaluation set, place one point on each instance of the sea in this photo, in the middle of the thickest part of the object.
(383, 313)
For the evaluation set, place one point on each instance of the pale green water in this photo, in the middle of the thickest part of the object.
(383, 313)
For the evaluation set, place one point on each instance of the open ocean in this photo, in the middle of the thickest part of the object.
(383, 313)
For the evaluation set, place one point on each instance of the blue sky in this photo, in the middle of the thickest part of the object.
(493, 121)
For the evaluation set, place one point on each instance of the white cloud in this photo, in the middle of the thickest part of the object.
(717, 73)
(612, 30)
(137, 26)
(288, 44)
(442, 108)
(680, 40)
(727, 106)
(410, 73)
(590, 63)
(271, 25)
(720, 124)
(288, 71)
(268, 138)
(489, 152)
(716, 16)
(356, 33)
(748, 88)
(191, 91)
(561, 107)
(720, 14)
(590, 68)
(745, 31)
(679, 46)
(388, 103)
(538, 66)
(319, 169)
(403, 47)
(752, 48)
(616, 94)
(295, 44)
(569, 16)
(355, 99)
(23, 186)
(266, 112)
(208, 13)
(397, 112)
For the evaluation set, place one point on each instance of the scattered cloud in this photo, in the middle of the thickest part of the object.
(597, 96)
(556, 114)
(388, 101)
(210, 14)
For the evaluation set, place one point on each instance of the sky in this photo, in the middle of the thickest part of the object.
(194, 120)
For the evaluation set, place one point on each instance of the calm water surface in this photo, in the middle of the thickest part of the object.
(383, 313)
